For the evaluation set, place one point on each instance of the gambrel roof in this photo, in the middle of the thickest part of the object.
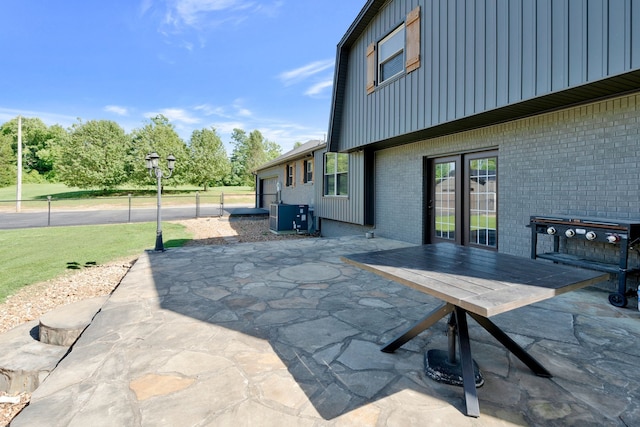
(615, 80)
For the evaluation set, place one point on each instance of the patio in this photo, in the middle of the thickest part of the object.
(285, 333)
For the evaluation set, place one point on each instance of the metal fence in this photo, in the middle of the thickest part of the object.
(68, 211)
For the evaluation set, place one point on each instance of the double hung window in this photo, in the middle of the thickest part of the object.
(291, 174)
(391, 55)
(395, 54)
(336, 174)
(308, 171)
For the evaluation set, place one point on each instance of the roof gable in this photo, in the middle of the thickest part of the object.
(297, 153)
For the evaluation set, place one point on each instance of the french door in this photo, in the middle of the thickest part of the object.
(463, 199)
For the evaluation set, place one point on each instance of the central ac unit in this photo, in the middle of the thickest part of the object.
(288, 217)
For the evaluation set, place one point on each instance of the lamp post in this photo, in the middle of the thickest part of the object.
(154, 170)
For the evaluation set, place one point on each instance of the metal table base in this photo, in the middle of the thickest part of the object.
(458, 327)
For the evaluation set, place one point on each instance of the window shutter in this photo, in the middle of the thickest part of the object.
(371, 68)
(304, 171)
(293, 174)
(413, 40)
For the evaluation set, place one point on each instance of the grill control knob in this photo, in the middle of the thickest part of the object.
(569, 233)
(551, 230)
(613, 238)
(591, 235)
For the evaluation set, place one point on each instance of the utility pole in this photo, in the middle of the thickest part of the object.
(19, 184)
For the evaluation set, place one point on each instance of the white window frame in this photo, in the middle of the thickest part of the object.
(337, 175)
(385, 57)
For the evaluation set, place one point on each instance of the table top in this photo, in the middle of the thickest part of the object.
(480, 281)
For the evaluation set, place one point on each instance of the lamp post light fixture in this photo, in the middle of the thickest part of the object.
(153, 167)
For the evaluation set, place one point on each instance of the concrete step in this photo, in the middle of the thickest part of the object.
(64, 325)
(25, 361)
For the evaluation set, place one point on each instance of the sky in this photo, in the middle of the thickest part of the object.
(248, 64)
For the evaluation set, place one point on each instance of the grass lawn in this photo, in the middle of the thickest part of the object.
(37, 254)
(447, 223)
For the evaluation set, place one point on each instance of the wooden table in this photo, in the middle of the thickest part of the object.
(478, 282)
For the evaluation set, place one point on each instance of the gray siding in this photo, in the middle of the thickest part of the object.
(481, 55)
(344, 208)
(301, 193)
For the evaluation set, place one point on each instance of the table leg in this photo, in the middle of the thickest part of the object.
(511, 345)
(468, 374)
(418, 327)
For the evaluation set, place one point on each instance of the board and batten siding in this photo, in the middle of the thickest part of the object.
(348, 208)
(479, 55)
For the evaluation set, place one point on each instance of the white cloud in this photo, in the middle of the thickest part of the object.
(302, 73)
(207, 14)
(175, 115)
(189, 11)
(223, 112)
(240, 109)
(318, 88)
(243, 112)
(227, 127)
(208, 110)
(188, 24)
(47, 117)
(120, 111)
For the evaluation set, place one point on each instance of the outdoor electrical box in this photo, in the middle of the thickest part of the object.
(301, 221)
(288, 218)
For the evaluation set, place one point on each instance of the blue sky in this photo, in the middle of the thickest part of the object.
(263, 64)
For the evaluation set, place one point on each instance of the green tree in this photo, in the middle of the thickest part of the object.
(38, 141)
(158, 136)
(250, 151)
(57, 137)
(95, 155)
(7, 162)
(209, 164)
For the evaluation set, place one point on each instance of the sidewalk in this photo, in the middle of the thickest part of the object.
(283, 333)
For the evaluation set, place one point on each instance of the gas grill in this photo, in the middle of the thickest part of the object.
(621, 234)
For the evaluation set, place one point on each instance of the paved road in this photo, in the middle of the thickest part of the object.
(118, 216)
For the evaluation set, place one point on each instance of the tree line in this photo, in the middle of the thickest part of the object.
(99, 154)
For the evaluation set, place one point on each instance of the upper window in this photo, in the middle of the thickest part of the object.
(336, 174)
(391, 55)
(290, 174)
(397, 53)
(308, 171)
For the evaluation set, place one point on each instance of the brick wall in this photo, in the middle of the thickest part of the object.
(583, 161)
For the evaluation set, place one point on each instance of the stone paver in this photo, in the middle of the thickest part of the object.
(284, 333)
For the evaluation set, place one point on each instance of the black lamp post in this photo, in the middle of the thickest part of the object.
(154, 170)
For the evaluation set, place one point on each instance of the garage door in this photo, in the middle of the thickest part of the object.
(268, 189)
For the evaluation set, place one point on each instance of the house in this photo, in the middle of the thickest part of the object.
(456, 120)
(289, 179)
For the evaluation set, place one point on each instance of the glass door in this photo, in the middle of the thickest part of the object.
(482, 197)
(463, 199)
(444, 202)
